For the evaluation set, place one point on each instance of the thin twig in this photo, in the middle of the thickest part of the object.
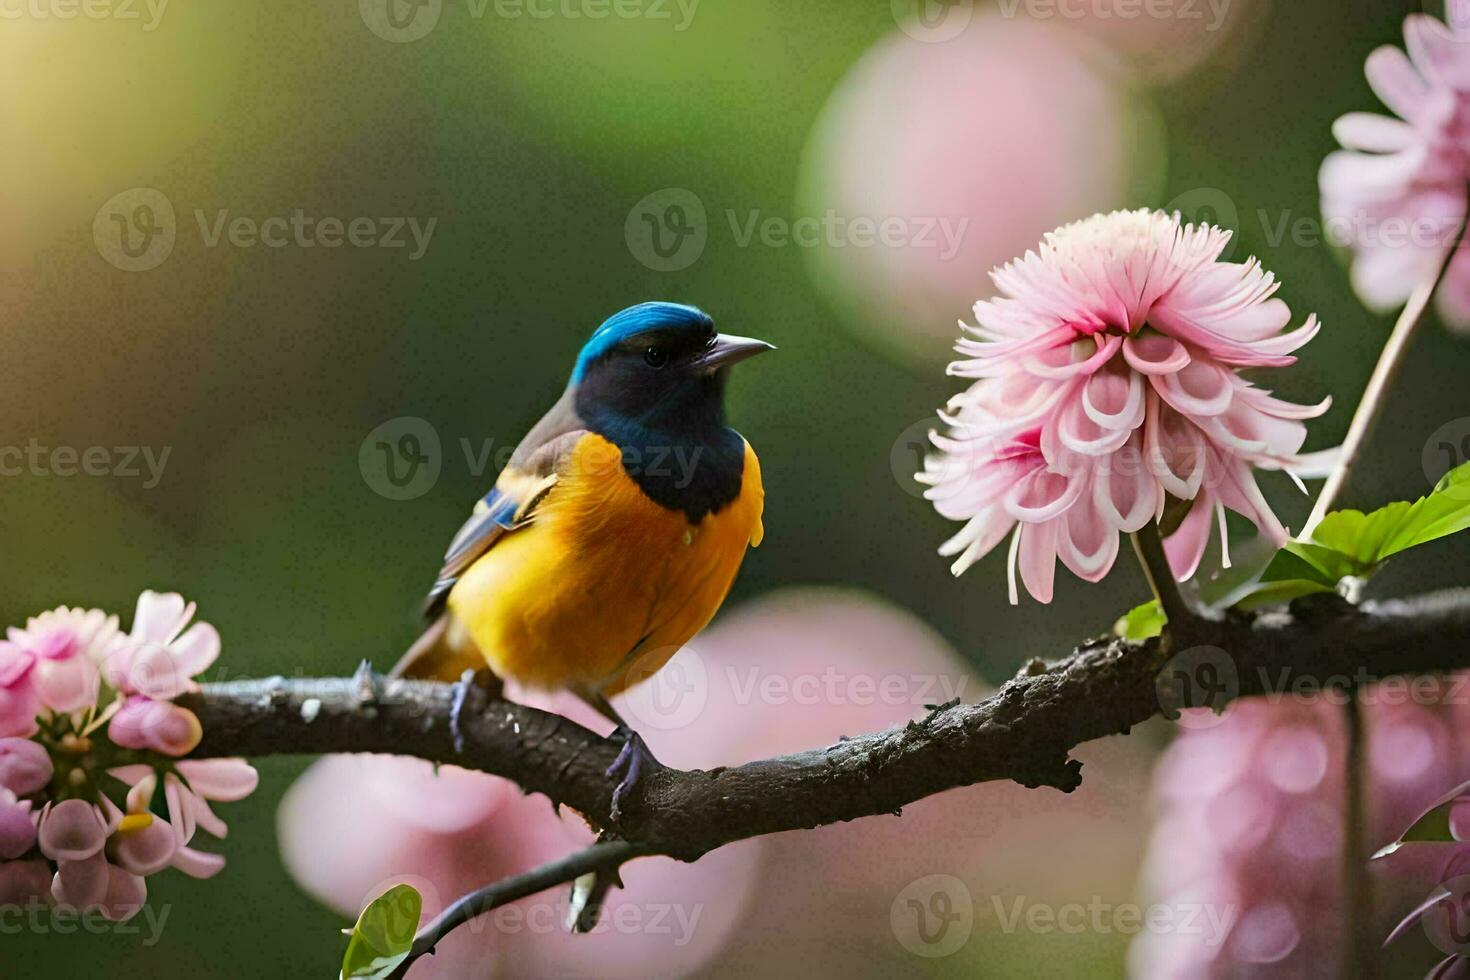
(1150, 550)
(602, 856)
(1370, 408)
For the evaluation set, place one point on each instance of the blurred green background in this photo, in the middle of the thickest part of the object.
(529, 141)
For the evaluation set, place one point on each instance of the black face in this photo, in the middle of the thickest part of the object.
(656, 380)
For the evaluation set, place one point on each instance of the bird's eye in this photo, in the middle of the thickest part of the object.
(656, 357)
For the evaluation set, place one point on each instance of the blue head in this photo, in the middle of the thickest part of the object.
(658, 365)
(651, 379)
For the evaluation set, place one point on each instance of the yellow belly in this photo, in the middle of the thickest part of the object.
(605, 585)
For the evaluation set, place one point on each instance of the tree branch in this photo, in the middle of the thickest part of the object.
(1023, 732)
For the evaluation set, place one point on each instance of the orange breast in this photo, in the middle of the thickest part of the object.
(605, 585)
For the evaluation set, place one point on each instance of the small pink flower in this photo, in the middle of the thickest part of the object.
(72, 830)
(143, 723)
(221, 780)
(25, 767)
(67, 644)
(17, 826)
(1107, 381)
(1397, 188)
(159, 657)
(19, 701)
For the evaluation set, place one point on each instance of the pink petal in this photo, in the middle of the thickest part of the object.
(159, 617)
(25, 766)
(66, 685)
(18, 707)
(1038, 560)
(147, 851)
(155, 673)
(81, 884)
(1395, 81)
(1154, 353)
(225, 780)
(14, 662)
(180, 814)
(198, 864)
(125, 895)
(1372, 132)
(1186, 546)
(71, 830)
(1042, 496)
(17, 830)
(197, 649)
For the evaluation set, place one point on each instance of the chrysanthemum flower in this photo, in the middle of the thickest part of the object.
(1107, 380)
(1396, 193)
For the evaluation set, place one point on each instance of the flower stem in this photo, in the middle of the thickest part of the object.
(1387, 370)
(1150, 550)
(1357, 888)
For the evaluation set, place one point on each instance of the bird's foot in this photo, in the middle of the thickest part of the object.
(633, 761)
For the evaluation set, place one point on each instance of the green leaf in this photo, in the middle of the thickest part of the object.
(1141, 622)
(1299, 561)
(1279, 593)
(1434, 824)
(383, 935)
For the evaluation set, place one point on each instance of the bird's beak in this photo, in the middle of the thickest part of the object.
(729, 349)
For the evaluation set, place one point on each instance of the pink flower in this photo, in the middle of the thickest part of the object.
(187, 799)
(17, 826)
(142, 723)
(153, 664)
(1107, 380)
(158, 658)
(19, 701)
(1396, 192)
(66, 646)
(25, 766)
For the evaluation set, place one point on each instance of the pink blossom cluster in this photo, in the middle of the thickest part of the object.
(1250, 825)
(86, 716)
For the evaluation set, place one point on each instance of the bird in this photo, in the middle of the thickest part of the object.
(614, 532)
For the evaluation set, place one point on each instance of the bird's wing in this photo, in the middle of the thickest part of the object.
(511, 504)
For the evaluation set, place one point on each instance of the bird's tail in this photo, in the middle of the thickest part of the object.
(442, 653)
